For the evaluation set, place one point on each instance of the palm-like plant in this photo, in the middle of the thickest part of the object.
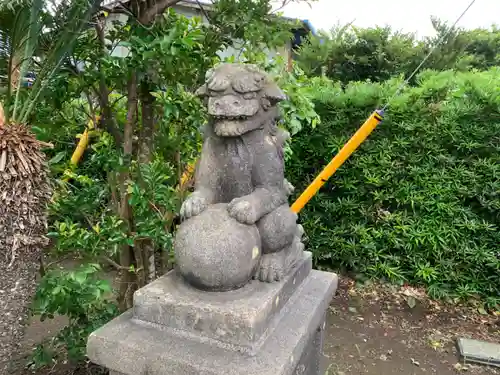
(24, 184)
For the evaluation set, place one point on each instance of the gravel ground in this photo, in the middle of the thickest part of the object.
(375, 331)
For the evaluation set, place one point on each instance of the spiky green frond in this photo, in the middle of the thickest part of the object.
(24, 25)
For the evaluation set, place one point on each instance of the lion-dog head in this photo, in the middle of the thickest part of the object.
(240, 98)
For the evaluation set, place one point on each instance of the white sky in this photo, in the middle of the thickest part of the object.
(405, 15)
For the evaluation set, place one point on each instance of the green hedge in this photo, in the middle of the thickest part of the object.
(419, 201)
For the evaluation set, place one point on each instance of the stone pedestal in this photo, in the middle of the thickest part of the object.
(259, 329)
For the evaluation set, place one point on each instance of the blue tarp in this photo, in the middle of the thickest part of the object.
(310, 26)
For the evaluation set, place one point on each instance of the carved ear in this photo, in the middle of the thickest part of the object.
(203, 90)
(274, 93)
(209, 74)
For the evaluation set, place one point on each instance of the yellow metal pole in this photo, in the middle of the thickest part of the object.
(339, 159)
(2, 116)
(188, 173)
(83, 143)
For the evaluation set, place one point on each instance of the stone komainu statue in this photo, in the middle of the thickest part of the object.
(245, 227)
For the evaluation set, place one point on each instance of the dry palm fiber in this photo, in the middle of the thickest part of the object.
(24, 193)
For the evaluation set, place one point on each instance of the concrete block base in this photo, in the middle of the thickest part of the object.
(290, 344)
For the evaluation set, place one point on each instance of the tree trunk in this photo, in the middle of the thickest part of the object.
(145, 247)
(23, 224)
(127, 282)
(103, 93)
(17, 289)
(141, 255)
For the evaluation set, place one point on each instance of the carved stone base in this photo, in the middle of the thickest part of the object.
(310, 362)
(274, 329)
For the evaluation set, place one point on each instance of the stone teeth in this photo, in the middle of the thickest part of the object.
(230, 118)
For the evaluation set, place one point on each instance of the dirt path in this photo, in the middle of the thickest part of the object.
(377, 333)
(372, 331)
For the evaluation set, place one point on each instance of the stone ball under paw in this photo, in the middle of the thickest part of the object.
(277, 229)
(215, 252)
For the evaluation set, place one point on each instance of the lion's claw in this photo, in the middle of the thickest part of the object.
(243, 211)
(272, 267)
(193, 206)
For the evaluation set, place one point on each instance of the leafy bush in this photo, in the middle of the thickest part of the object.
(420, 200)
(84, 299)
(350, 53)
(356, 54)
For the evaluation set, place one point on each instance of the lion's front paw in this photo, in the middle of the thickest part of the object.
(272, 267)
(193, 206)
(243, 211)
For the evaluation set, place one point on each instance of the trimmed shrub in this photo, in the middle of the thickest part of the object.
(349, 53)
(419, 201)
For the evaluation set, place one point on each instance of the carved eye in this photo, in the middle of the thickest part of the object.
(250, 95)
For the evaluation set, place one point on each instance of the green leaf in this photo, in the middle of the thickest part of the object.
(412, 302)
(482, 311)
(33, 32)
(80, 277)
(157, 95)
(58, 157)
(76, 19)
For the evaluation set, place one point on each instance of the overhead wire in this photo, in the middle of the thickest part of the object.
(424, 60)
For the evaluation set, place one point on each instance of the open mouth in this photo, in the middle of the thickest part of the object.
(230, 126)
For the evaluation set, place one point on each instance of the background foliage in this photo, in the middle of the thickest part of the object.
(418, 202)
(349, 53)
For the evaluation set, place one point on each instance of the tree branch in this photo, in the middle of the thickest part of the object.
(203, 11)
(103, 93)
(112, 263)
(158, 8)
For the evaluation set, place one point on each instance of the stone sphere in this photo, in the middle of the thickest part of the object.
(215, 252)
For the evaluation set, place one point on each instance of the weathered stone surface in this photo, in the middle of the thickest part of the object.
(311, 361)
(216, 252)
(242, 165)
(208, 317)
(487, 353)
(241, 318)
(131, 347)
(282, 221)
